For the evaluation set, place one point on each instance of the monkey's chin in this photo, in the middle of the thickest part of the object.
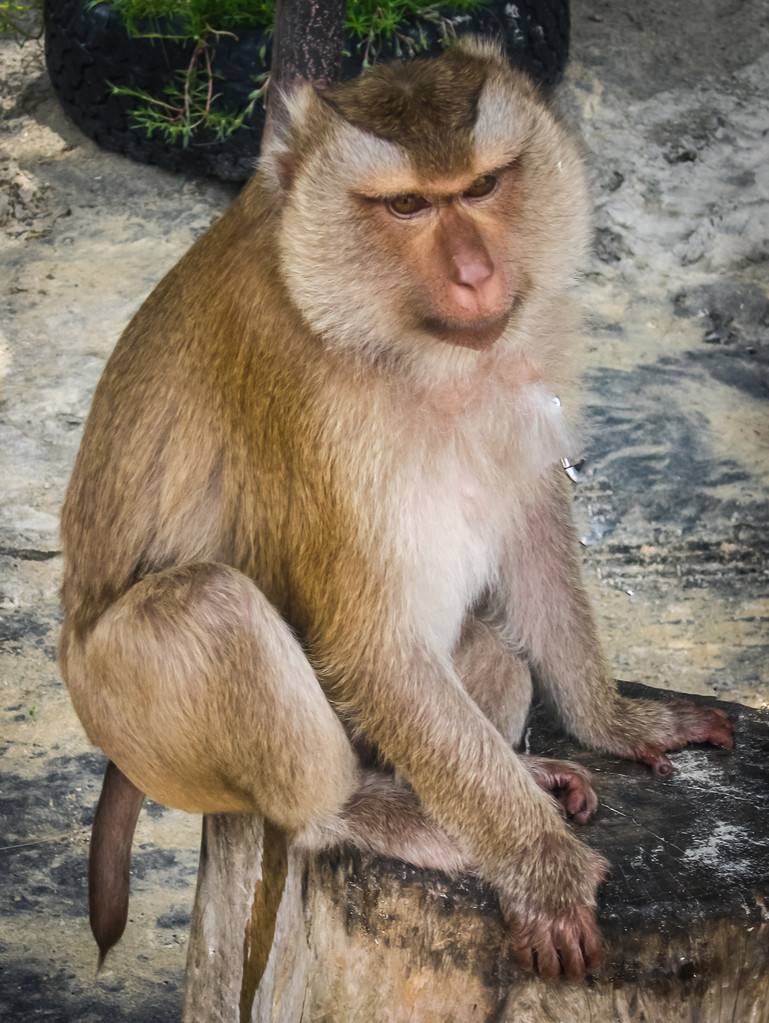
(479, 335)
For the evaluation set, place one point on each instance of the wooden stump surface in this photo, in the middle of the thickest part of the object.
(685, 912)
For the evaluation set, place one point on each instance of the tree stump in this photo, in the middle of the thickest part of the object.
(345, 938)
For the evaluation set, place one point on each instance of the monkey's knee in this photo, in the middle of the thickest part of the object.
(197, 689)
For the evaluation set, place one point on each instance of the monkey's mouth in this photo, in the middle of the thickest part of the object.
(477, 334)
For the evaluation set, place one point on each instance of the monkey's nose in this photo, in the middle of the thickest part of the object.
(471, 272)
(480, 295)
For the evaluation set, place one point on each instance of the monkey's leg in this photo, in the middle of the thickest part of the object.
(499, 681)
(203, 697)
(552, 615)
(195, 687)
(495, 676)
(199, 693)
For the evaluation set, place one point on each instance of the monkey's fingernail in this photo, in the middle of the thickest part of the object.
(663, 767)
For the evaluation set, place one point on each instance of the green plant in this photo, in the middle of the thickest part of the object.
(367, 20)
(193, 17)
(372, 22)
(190, 102)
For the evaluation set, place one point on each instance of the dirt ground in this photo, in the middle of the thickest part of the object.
(672, 101)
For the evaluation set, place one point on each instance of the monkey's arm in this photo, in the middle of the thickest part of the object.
(551, 616)
(473, 784)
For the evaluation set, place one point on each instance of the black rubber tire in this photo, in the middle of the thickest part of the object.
(88, 49)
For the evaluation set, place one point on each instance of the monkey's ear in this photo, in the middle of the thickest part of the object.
(483, 47)
(288, 113)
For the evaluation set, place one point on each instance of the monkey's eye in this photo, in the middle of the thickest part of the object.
(481, 187)
(406, 205)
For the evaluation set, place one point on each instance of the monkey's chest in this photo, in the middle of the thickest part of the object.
(449, 534)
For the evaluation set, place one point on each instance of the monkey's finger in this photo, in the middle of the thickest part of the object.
(548, 963)
(574, 798)
(569, 950)
(592, 945)
(662, 766)
(576, 803)
(721, 730)
(567, 934)
(592, 801)
(580, 800)
(722, 738)
(656, 759)
(524, 957)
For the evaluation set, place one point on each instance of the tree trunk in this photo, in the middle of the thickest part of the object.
(346, 938)
(307, 40)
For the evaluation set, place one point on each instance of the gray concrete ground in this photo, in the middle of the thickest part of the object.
(673, 103)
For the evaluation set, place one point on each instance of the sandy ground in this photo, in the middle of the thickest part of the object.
(673, 107)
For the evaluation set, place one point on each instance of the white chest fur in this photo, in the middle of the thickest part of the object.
(449, 537)
(457, 507)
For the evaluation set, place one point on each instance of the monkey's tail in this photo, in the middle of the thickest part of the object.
(109, 861)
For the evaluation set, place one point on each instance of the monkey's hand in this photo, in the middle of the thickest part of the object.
(647, 730)
(568, 784)
(551, 917)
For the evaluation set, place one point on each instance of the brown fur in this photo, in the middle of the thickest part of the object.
(295, 506)
(401, 108)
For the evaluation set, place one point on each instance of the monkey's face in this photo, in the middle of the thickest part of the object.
(425, 205)
(450, 237)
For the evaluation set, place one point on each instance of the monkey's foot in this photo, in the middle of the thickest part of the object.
(385, 816)
(678, 724)
(568, 783)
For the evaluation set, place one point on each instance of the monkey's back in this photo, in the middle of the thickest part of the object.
(148, 485)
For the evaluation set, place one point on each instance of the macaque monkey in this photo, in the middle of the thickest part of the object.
(318, 506)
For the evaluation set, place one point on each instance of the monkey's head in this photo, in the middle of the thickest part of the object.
(425, 204)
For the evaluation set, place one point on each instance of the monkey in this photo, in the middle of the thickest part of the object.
(318, 507)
